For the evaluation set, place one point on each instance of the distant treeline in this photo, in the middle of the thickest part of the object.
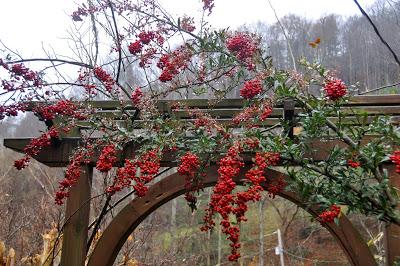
(349, 46)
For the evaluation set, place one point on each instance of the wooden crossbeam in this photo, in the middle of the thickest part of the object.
(164, 105)
(58, 155)
(226, 109)
(277, 112)
(223, 111)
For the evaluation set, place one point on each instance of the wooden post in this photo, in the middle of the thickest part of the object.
(288, 115)
(77, 221)
(392, 231)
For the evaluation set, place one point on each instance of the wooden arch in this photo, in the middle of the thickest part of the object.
(75, 231)
(170, 187)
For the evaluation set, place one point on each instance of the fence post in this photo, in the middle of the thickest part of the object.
(288, 115)
(75, 232)
(392, 231)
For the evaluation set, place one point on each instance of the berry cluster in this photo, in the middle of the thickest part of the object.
(137, 96)
(244, 46)
(72, 173)
(225, 202)
(135, 47)
(104, 77)
(208, 5)
(222, 200)
(267, 111)
(251, 88)
(172, 64)
(21, 77)
(149, 166)
(353, 164)
(144, 38)
(328, 216)
(335, 89)
(62, 107)
(395, 157)
(187, 24)
(35, 146)
(107, 158)
(189, 164)
(19, 70)
(188, 167)
(256, 176)
(11, 110)
(22, 163)
(245, 115)
(248, 113)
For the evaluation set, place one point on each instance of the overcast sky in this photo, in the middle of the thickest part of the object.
(25, 24)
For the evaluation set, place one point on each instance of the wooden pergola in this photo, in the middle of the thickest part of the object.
(75, 234)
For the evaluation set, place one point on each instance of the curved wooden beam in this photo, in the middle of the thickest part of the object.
(126, 221)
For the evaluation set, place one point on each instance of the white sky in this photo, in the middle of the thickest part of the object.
(25, 24)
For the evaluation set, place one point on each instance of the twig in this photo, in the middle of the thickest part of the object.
(284, 34)
(377, 32)
(52, 60)
(118, 42)
(380, 88)
(96, 227)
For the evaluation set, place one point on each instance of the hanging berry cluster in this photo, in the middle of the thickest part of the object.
(146, 46)
(73, 172)
(225, 202)
(35, 146)
(222, 199)
(137, 173)
(104, 77)
(188, 167)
